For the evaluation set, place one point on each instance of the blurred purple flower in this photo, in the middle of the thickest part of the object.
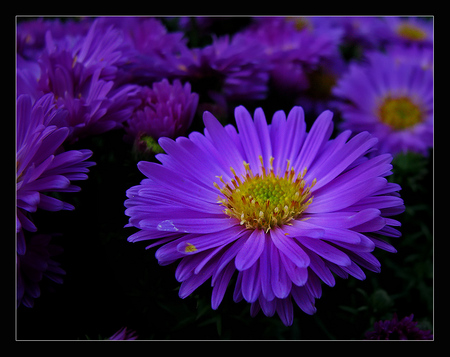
(42, 164)
(34, 265)
(395, 329)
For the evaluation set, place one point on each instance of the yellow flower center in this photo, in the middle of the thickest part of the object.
(265, 201)
(399, 113)
(301, 23)
(411, 32)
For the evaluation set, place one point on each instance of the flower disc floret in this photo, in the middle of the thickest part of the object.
(400, 113)
(411, 32)
(265, 201)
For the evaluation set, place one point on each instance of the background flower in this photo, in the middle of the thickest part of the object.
(165, 110)
(81, 74)
(36, 264)
(395, 329)
(124, 334)
(42, 164)
(391, 98)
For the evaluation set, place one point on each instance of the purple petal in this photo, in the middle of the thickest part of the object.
(326, 251)
(281, 284)
(319, 267)
(298, 276)
(320, 131)
(211, 240)
(220, 285)
(251, 285)
(343, 220)
(290, 248)
(187, 188)
(249, 137)
(304, 299)
(264, 135)
(222, 142)
(285, 311)
(337, 197)
(192, 225)
(268, 306)
(251, 250)
(265, 272)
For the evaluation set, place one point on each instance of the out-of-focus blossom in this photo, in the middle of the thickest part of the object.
(395, 329)
(124, 334)
(390, 98)
(35, 265)
(42, 164)
(165, 110)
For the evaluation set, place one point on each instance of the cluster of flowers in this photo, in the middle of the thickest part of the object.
(285, 208)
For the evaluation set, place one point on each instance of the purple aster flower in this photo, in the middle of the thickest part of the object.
(42, 164)
(390, 99)
(281, 208)
(292, 52)
(416, 55)
(364, 31)
(124, 334)
(81, 76)
(150, 48)
(36, 264)
(230, 68)
(31, 33)
(395, 329)
(407, 31)
(166, 110)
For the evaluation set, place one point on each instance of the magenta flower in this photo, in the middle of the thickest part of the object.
(280, 208)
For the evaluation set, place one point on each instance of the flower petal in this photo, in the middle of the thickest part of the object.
(290, 248)
(251, 250)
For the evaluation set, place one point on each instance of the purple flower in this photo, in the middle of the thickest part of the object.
(42, 164)
(281, 208)
(232, 68)
(391, 99)
(165, 110)
(81, 73)
(407, 31)
(395, 329)
(150, 48)
(412, 55)
(292, 52)
(34, 265)
(31, 33)
(124, 334)
(364, 31)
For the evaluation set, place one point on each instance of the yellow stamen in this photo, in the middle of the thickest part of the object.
(265, 201)
(190, 248)
(399, 113)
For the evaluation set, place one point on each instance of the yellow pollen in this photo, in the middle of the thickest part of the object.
(399, 113)
(301, 23)
(265, 201)
(411, 32)
(189, 248)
